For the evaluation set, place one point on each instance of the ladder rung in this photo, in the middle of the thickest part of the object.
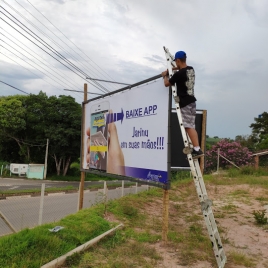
(220, 251)
(215, 231)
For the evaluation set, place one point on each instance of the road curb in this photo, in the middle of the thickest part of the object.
(59, 261)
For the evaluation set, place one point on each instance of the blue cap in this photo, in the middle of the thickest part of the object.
(180, 55)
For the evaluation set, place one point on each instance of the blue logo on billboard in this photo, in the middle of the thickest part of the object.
(153, 177)
(113, 117)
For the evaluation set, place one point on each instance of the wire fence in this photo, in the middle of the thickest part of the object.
(24, 205)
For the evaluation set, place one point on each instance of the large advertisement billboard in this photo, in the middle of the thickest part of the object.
(126, 133)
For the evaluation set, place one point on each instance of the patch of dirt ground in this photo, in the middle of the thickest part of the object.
(245, 243)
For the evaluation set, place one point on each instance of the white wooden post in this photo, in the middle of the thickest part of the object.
(41, 204)
(104, 187)
(122, 193)
(78, 203)
(218, 161)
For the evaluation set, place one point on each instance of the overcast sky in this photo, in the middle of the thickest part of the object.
(225, 41)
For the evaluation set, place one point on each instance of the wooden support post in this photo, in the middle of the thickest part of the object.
(165, 215)
(203, 139)
(256, 161)
(83, 174)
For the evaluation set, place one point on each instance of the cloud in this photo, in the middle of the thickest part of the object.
(257, 11)
(120, 40)
(11, 71)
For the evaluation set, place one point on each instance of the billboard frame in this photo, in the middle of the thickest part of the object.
(169, 166)
(165, 186)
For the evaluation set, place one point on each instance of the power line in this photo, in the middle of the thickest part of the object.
(33, 72)
(46, 45)
(67, 38)
(108, 81)
(14, 87)
(49, 30)
(83, 91)
(26, 61)
(56, 52)
(35, 63)
(47, 52)
(34, 56)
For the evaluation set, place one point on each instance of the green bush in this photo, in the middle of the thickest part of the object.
(259, 216)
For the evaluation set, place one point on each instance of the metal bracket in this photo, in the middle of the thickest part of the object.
(187, 150)
(176, 99)
(206, 204)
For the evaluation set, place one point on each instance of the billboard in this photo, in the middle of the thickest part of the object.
(126, 132)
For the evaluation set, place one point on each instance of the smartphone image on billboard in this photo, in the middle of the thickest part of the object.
(99, 136)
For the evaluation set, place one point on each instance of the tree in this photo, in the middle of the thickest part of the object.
(31, 120)
(12, 121)
(64, 131)
(246, 141)
(260, 131)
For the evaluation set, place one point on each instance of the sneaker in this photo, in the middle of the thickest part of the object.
(197, 154)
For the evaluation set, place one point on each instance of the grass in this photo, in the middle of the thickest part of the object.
(241, 259)
(89, 177)
(37, 190)
(136, 244)
(230, 179)
(35, 247)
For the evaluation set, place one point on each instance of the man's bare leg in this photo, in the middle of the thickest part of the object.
(193, 136)
(197, 152)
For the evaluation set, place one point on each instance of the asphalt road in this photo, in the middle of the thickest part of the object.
(24, 211)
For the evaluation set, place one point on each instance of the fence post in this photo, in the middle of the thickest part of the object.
(41, 204)
(105, 192)
(104, 187)
(136, 190)
(218, 161)
(122, 193)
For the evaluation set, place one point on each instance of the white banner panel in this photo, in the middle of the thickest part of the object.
(127, 133)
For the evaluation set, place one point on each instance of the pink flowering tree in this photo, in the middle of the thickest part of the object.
(232, 150)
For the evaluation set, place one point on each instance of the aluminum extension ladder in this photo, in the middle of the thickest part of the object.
(205, 202)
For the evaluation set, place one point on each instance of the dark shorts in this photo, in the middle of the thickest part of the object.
(188, 115)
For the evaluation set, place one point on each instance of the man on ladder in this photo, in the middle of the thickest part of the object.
(185, 79)
(182, 84)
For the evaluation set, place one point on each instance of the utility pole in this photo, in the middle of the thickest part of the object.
(45, 169)
(83, 174)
